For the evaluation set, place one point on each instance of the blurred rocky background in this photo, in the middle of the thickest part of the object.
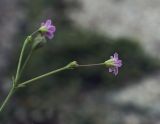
(88, 31)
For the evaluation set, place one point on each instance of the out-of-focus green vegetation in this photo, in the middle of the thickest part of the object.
(85, 47)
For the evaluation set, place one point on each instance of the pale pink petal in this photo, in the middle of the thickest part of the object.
(52, 28)
(48, 22)
(116, 55)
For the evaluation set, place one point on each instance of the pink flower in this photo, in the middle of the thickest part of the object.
(47, 29)
(114, 63)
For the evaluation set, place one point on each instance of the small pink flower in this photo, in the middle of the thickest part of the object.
(47, 29)
(114, 63)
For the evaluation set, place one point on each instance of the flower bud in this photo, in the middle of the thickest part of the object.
(72, 65)
(38, 42)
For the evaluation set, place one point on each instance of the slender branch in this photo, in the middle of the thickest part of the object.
(26, 62)
(34, 32)
(71, 65)
(42, 76)
(7, 98)
(18, 73)
(21, 57)
(90, 65)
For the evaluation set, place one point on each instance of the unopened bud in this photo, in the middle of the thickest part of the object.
(72, 65)
(38, 42)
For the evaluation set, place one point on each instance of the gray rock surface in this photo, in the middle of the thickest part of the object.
(145, 95)
(11, 17)
(138, 19)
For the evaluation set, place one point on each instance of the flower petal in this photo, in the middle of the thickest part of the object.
(49, 35)
(52, 28)
(116, 56)
(110, 69)
(48, 22)
(115, 71)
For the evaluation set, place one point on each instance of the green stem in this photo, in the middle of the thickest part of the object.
(26, 62)
(34, 32)
(7, 98)
(42, 76)
(90, 65)
(72, 65)
(20, 58)
(19, 71)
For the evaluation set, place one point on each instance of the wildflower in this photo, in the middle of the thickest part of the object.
(47, 29)
(114, 63)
